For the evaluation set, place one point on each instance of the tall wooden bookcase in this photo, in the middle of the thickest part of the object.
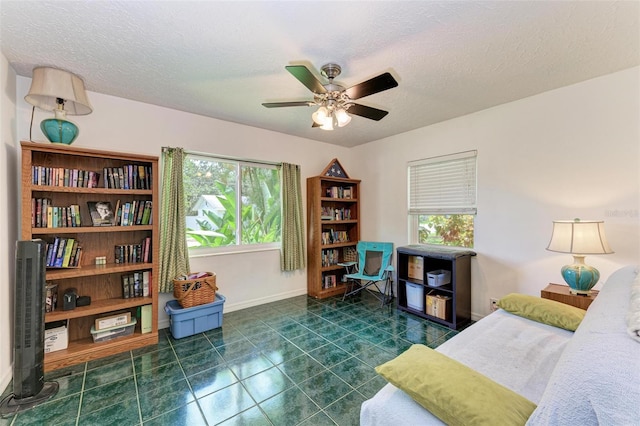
(102, 282)
(333, 228)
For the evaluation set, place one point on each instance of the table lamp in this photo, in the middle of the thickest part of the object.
(60, 91)
(579, 237)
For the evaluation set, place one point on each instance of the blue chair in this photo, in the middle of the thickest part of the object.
(372, 269)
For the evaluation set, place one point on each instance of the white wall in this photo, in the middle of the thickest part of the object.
(245, 279)
(8, 215)
(572, 152)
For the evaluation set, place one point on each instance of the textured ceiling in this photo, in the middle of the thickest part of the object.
(223, 59)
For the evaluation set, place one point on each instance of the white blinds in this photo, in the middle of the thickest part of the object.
(443, 185)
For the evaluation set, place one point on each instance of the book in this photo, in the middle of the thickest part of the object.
(57, 263)
(101, 213)
(142, 177)
(146, 283)
(74, 253)
(67, 252)
(120, 177)
(146, 214)
(125, 286)
(50, 248)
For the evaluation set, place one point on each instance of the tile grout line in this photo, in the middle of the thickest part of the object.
(135, 383)
(84, 378)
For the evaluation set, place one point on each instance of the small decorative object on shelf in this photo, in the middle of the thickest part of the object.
(335, 169)
(101, 213)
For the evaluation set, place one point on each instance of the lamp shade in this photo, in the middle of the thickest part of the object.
(579, 237)
(50, 84)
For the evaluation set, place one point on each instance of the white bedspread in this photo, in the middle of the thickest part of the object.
(521, 357)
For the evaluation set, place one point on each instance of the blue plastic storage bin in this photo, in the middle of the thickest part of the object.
(189, 321)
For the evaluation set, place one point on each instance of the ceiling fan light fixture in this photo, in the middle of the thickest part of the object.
(342, 117)
(328, 123)
(320, 116)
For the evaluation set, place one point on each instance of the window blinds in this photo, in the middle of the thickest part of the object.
(443, 185)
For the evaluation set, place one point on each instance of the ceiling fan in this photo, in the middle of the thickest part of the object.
(334, 101)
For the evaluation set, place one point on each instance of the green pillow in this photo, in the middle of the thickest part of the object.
(543, 310)
(455, 393)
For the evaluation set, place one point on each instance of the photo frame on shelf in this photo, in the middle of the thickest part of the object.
(101, 212)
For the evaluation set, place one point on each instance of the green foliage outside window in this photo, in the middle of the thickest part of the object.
(449, 230)
(258, 201)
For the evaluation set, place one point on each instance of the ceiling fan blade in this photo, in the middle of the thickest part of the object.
(305, 77)
(376, 84)
(367, 112)
(286, 104)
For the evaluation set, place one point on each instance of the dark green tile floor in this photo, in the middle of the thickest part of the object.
(298, 361)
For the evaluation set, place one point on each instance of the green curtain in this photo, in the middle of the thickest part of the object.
(292, 253)
(174, 255)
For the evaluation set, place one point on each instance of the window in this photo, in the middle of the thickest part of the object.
(442, 199)
(231, 203)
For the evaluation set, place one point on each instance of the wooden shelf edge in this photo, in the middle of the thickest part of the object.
(85, 350)
(91, 270)
(89, 229)
(338, 245)
(323, 294)
(98, 307)
(85, 190)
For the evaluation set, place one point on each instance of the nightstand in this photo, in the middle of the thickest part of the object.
(561, 293)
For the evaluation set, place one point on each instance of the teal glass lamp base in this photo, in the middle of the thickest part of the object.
(580, 277)
(59, 131)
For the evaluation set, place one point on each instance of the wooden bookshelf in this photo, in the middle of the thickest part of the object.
(103, 283)
(330, 233)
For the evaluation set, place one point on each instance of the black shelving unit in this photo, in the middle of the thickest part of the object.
(455, 296)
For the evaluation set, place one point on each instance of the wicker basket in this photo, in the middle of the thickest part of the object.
(195, 292)
(350, 254)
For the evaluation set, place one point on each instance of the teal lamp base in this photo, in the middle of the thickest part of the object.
(580, 277)
(59, 131)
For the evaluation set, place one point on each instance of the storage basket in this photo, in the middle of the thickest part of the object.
(350, 254)
(197, 291)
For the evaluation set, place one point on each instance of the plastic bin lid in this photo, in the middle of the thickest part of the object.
(173, 306)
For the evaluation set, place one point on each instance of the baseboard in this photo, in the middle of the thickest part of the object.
(5, 379)
(230, 307)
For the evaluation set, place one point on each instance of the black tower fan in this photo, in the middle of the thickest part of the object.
(29, 387)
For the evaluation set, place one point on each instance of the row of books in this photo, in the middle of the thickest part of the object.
(137, 284)
(134, 253)
(329, 213)
(129, 176)
(44, 215)
(340, 192)
(136, 212)
(329, 281)
(330, 257)
(333, 236)
(63, 253)
(60, 176)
